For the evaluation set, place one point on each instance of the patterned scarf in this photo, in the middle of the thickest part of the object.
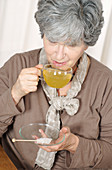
(69, 103)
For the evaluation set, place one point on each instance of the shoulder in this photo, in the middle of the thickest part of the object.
(99, 70)
(17, 62)
(99, 79)
(22, 60)
(26, 59)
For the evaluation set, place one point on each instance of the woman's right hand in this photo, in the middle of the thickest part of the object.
(27, 82)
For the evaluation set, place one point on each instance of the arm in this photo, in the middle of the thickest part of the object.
(14, 79)
(7, 106)
(96, 153)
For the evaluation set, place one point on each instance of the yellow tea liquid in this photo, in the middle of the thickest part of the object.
(55, 78)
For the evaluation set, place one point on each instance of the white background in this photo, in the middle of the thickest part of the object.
(19, 31)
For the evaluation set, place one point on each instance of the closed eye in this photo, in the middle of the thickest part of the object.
(52, 43)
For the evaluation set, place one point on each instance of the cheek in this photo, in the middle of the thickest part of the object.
(49, 53)
(74, 57)
(48, 49)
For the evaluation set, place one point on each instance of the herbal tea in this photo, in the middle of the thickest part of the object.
(56, 78)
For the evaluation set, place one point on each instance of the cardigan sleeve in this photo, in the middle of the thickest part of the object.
(8, 76)
(96, 153)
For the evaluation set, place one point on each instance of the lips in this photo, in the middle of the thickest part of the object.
(59, 63)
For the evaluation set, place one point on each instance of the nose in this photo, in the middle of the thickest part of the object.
(60, 52)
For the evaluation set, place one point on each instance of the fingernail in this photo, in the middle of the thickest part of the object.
(40, 130)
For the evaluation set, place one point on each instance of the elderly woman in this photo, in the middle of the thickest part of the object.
(67, 27)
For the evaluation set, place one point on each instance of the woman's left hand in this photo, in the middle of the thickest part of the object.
(70, 142)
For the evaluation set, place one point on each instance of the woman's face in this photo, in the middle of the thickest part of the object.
(62, 55)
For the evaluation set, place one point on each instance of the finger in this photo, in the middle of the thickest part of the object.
(39, 66)
(54, 148)
(29, 89)
(32, 84)
(42, 133)
(34, 137)
(30, 77)
(65, 130)
(28, 83)
(45, 148)
(32, 70)
(50, 148)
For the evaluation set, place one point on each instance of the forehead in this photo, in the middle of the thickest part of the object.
(66, 42)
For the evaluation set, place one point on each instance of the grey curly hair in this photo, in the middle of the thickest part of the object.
(70, 21)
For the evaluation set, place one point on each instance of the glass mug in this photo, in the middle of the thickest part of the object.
(55, 77)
